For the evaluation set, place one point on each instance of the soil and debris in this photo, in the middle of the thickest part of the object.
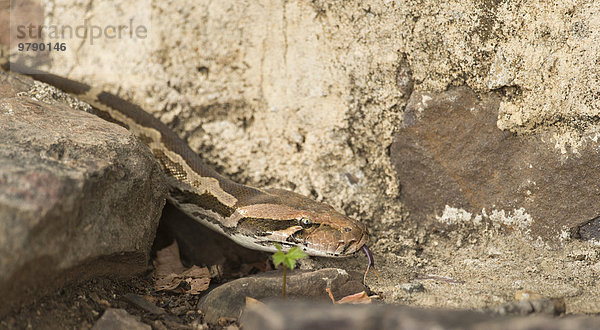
(487, 269)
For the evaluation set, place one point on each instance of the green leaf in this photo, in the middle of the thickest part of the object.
(288, 259)
(296, 254)
(289, 263)
(278, 257)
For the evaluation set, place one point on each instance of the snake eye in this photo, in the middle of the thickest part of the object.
(305, 222)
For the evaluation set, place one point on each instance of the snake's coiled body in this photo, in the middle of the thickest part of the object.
(255, 218)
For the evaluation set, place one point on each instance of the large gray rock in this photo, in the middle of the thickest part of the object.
(79, 196)
(229, 299)
(455, 164)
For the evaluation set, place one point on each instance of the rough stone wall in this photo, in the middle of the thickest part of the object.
(309, 94)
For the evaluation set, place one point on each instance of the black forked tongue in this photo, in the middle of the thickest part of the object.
(371, 263)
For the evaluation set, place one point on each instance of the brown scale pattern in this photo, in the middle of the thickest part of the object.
(172, 168)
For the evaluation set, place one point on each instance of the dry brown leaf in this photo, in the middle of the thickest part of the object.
(251, 302)
(258, 306)
(167, 282)
(198, 278)
(357, 298)
(197, 285)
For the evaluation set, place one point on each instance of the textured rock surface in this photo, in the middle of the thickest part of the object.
(308, 95)
(455, 165)
(320, 316)
(229, 299)
(320, 85)
(78, 196)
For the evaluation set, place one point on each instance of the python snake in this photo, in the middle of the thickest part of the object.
(254, 218)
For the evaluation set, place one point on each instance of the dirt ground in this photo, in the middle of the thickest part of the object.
(457, 268)
(482, 266)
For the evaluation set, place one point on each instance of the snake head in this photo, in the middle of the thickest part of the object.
(290, 219)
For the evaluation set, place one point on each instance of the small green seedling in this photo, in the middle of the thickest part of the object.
(288, 260)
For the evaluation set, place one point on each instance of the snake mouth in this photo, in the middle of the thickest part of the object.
(364, 239)
(339, 243)
(354, 246)
(344, 247)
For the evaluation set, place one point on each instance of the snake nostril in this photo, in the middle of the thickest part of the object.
(347, 229)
